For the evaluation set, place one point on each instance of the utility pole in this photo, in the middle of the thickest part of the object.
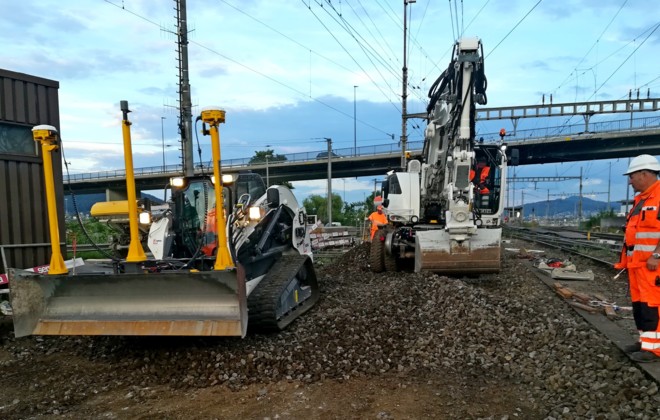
(609, 185)
(162, 138)
(580, 202)
(344, 181)
(329, 140)
(185, 100)
(628, 192)
(268, 154)
(404, 95)
(354, 121)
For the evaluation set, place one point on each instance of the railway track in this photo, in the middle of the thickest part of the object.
(601, 248)
(599, 258)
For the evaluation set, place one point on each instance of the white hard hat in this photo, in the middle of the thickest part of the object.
(641, 162)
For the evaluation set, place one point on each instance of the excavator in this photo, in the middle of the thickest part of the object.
(439, 218)
(214, 271)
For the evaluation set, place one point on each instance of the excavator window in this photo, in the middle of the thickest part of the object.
(393, 185)
(250, 183)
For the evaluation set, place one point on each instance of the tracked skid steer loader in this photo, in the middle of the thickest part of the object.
(213, 273)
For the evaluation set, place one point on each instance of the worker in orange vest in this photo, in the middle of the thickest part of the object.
(641, 257)
(377, 218)
(480, 176)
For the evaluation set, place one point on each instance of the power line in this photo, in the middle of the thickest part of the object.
(285, 36)
(629, 55)
(251, 69)
(353, 32)
(350, 55)
(514, 28)
(592, 47)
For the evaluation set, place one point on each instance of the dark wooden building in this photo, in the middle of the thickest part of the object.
(26, 101)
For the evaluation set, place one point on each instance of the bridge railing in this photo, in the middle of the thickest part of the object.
(121, 173)
(616, 126)
(319, 155)
(601, 127)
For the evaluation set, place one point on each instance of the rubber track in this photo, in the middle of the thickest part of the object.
(262, 302)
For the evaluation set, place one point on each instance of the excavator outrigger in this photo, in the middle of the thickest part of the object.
(253, 266)
(437, 217)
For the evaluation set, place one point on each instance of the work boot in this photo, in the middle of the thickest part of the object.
(644, 357)
(632, 348)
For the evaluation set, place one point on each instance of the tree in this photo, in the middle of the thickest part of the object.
(315, 204)
(286, 184)
(260, 156)
(355, 213)
(344, 213)
(369, 201)
(268, 156)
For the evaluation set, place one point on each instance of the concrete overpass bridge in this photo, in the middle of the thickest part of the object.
(566, 143)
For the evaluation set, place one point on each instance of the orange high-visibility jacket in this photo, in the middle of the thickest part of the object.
(483, 178)
(641, 239)
(376, 219)
(643, 227)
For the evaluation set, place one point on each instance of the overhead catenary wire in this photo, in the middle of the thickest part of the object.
(364, 45)
(209, 49)
(514, 28)
(601, 35)
(351, 57)
(368, 48)
(286, 36)
(652, 31)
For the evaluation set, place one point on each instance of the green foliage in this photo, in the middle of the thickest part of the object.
(99, 232)
(286, 184)
(369, 202)
(594, 221)
(355, 213)
(261, 155)
(346, 214)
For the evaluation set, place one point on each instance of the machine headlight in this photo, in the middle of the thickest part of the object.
(254, 213)
(229, 178)
(177, 182)
(144, 218)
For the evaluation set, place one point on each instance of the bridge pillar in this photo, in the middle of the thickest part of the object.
(116, 194)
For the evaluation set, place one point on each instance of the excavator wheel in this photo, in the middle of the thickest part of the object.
(390, 262)
(377, 252)
(289, 290)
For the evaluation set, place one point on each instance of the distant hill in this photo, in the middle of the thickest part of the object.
(568, 207)
(84, 202)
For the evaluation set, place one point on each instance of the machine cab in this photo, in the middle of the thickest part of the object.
(194, 201)
(488, 175)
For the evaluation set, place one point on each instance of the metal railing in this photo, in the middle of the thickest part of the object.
(547, 133)
(562, 131)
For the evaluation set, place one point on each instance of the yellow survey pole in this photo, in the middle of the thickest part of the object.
(214, 117)
(47, 136)
(135, 250)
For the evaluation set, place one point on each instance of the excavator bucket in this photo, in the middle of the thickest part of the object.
(210, 303)
(438, 252)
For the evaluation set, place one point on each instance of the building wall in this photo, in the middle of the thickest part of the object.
(26, 101)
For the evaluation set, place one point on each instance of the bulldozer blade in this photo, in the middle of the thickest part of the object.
(211, 303)
(437, 252)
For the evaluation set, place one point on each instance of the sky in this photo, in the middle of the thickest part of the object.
(290, 73)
